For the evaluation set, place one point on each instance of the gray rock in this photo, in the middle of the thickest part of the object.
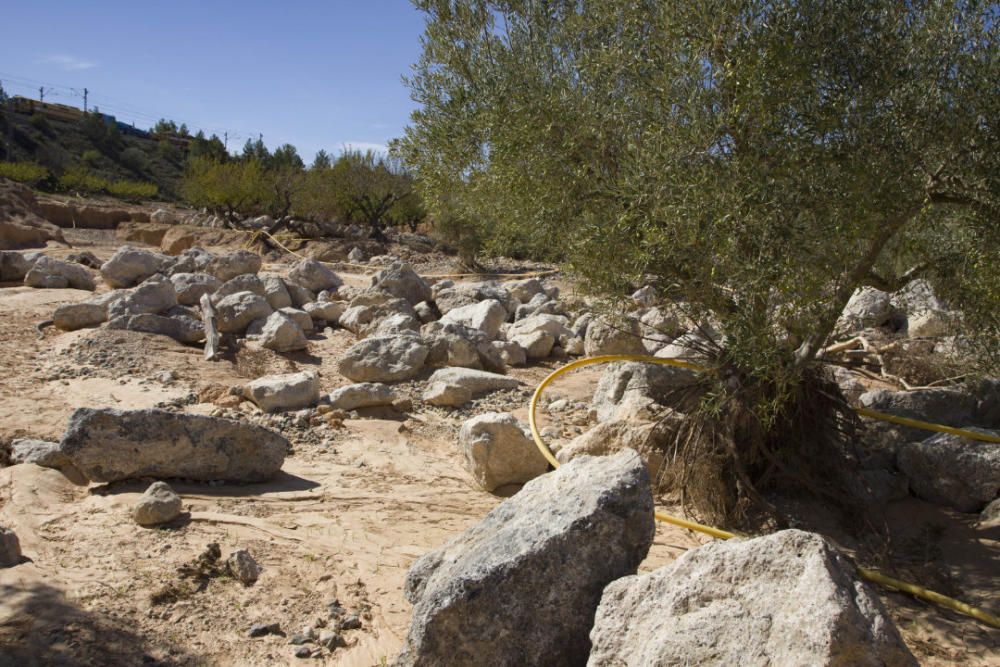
(130, 266)
(785, 599)
(362, 395)
(536, 345)
(356, 256)
(242, 567)
(300, 295)
(645, 297)
(448, 349)
(524, 290)
(247, 282)
(613, 337)
(402, 282)
(614, 436)
(73, 316)
(314, 276)
(627, 390)
(486, 316)
(464, 294)
(227, 267)
(276, 293)
(190, 287)
(540, 304)
(384, 359)
(300, 317)
(951, 407)
(10, 548)
(181, 328)
(933, 324)
(291, 391)
(426, 312)
(521, 586)
(13, 266)
(50, 273)
(469, 381)
(325, 311)
(108, 445)
(511, 353)
(234, 313)
(990, 516)
(281, 333)
(867, 308)
(39, 452)
(499, 451)
(155, 295)
(159, 504)
(396, 323)
(953, 471)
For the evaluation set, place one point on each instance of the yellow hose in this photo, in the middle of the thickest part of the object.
(870, 575)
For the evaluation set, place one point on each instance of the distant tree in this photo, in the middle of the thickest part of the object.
(255, 150)
(164, 126)
(236, 189)
(182, 131)
(286, 157)
(367, 187)
(202, 147)
(322, 160)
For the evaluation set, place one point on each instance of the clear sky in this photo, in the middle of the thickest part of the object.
(313, 73)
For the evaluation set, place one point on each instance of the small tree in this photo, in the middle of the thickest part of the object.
(367, 187)
(321, 161)
(759, 160)
(233, 189)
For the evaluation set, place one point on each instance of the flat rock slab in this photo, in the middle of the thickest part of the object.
(107, 445)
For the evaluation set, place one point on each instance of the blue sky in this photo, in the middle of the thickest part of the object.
(311, 73)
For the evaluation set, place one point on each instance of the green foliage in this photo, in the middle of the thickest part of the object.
(361, 187)
(135, 159)
(41, 123)
(758, 160)
(286, 157)
(232, 188)
(91, 158)
(28, 173)
(80, 179)
(132, 190)
(322, 160)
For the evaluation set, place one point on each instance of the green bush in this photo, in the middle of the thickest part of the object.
(79, 178)
(40, 123)
(134, 159)
(132, 190)
(24, 172)
(91, 158)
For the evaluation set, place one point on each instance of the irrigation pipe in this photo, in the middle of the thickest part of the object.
(867, 574)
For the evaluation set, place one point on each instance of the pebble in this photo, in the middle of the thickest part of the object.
(303, 652)
(352, 622)
(331, 640)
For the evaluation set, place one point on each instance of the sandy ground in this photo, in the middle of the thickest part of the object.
(352, 509)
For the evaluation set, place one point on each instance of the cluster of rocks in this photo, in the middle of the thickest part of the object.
(554, 567)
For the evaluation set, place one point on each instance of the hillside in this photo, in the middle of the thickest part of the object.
(90, 144)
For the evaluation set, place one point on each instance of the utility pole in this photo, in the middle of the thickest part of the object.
(85, 91)
(225, 136)
(41, 93)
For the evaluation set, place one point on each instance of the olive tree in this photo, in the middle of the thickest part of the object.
(759, 161)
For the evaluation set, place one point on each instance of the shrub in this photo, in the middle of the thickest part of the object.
(134, 159)
(40, 123)
(79, 178)
(24, 172)
(91, 158)
(132, 190)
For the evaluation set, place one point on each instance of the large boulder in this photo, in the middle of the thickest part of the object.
(613, 337)
(279, 332)
(866, 309)
(362, 395)
(952, 470)
(14, 266)
(236, 312)
(276, 293)
(452, 387)
(785, 599)
(40, 452)
(47, 272)
(630, 389)
(521, 586)
(248, 282)
(130, 266)
(499, 451)
(155, 295)
(291, 391)
(73, 316)
(227, 267)
(190, 287)
(486, 316)
(402, 282)
(179, 326)
(108, 445)
(314, 276)
(384, 359)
